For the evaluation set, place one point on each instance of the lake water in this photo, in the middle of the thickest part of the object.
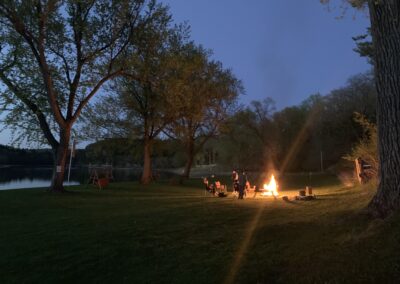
(30, 183)
(14, 177)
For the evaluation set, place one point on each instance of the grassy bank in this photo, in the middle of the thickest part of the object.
(173, 234)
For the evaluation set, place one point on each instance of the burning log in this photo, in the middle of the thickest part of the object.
(271, 189)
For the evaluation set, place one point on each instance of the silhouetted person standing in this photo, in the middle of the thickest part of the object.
(235, 180)
(242, 184)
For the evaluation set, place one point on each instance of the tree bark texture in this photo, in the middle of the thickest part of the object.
(190, 152)
(147, 171)
(385, 23)
(60, 159)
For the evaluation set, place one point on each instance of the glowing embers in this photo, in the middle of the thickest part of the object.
(271, 189)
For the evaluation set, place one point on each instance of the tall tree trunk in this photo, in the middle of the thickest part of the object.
(60, 158)
(147, 171)
(189, 158)
(385, 24)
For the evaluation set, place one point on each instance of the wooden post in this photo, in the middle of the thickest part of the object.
(358, 170)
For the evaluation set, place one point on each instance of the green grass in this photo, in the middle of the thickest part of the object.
(175, 234)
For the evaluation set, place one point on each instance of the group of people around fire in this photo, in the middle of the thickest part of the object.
(240, 183)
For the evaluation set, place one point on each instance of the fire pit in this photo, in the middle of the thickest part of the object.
(271, 188)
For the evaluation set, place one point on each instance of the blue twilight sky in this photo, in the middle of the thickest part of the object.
(283, 49)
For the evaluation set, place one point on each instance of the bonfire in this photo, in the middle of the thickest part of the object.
(271, 189)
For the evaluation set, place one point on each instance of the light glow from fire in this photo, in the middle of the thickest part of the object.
(271, 189)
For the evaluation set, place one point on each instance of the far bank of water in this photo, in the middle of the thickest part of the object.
(15, 177)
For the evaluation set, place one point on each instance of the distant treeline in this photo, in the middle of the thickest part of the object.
(314, 135)
(31, 157)
(123, 152)
(13, 156)
(117, 152)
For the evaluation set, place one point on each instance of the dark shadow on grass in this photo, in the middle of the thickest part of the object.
(294, 202)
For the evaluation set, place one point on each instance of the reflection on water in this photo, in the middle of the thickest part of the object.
(14, 177)
(30, 183)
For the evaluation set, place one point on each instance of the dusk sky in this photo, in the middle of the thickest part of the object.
(283, 49)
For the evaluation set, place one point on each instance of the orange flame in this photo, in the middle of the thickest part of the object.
(271, 189)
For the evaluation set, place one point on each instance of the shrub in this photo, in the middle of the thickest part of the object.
(367, 147)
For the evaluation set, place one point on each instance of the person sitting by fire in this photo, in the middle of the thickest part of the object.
(247, 187)
(209, 186)
(205, 182)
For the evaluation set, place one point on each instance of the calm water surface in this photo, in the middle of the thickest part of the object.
(14, 177)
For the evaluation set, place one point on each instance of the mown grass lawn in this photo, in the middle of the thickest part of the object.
(175, 234)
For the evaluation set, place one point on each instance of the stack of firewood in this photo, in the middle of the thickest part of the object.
(306, 194)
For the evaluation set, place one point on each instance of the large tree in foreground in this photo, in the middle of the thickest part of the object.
(385, 28)
(56, 55)
(385, 31)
